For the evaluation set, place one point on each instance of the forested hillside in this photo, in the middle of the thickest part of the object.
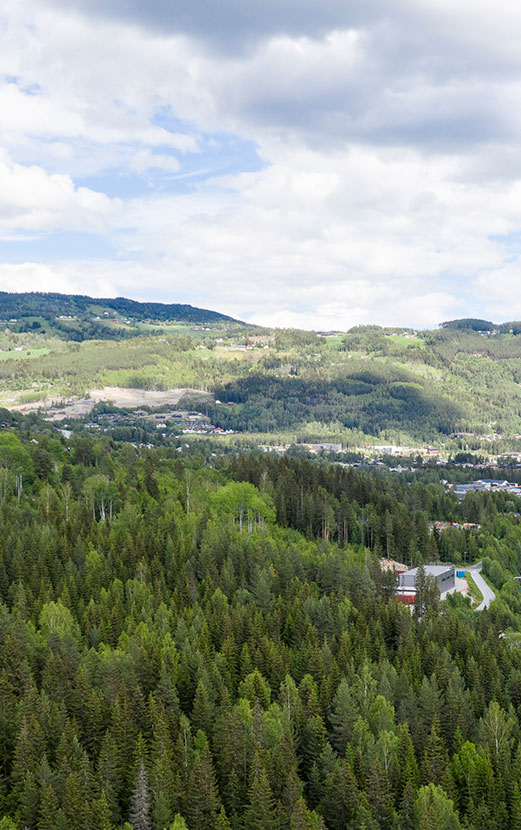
(77, 317)
(368, 385)
(208, 644)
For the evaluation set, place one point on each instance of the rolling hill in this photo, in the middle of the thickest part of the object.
(458, 386)
(79, 317)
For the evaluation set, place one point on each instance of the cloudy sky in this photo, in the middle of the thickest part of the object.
(314, 163)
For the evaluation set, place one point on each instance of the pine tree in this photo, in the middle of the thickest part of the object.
(407, 764)
(77, 803)
(292, 791)
(164, 779)
(313, 742)
(202, 714)
(140, 803)
(421, 590)
(379, 795)
(61, 822)
(29, 801)
(515, 808)
(110, 775)
(315, 788)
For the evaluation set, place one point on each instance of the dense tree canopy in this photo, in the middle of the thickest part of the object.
(219, 648)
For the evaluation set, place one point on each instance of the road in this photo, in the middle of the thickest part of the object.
(486, 590)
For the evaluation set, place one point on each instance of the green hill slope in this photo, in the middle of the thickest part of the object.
(78, 317)
(367, 385)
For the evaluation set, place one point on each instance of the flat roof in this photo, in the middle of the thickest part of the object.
(433, 570)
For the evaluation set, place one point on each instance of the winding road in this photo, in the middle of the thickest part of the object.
(486, 590)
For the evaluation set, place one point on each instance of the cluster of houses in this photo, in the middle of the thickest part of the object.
(324, 447)
(486, 485)
(391, 449)
(439, 526)
(188, 422)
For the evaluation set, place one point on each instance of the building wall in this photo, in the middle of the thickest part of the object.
(407, 580)
(446, 580)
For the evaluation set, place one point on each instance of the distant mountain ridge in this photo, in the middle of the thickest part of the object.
(49, 305)
(476, 324)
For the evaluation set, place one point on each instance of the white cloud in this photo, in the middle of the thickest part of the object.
(33, 276)
(391, 190)
(353, 231)
(33, 200)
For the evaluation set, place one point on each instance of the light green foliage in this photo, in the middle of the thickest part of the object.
(56, 619)
(14, 455)
(435, 810)
(254, 687)
(243, 502)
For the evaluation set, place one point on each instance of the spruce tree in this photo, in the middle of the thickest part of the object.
(102, 814)
(260, 813)
(222, 822)
(301, 817)
(341, 797)
(48, 808)
(407, 811)
(202, 798)
(139, 817)
(435, 759)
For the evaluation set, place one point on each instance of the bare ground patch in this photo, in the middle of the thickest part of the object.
(124, 397)
(59, 407)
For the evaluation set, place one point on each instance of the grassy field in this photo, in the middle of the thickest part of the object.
(25, 353)
(402, 340)
(474, 592)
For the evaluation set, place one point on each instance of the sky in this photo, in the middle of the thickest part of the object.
(309, 163)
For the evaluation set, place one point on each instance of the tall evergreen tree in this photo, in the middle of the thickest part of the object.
(260, 813)
(140, 813)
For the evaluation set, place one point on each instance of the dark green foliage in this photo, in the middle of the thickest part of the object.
(469, 323)
(165, 664)
(51, 307)
(366, 400)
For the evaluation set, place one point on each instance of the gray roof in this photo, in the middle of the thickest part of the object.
(433, 570)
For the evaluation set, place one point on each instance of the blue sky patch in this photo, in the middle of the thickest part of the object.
(52, 247)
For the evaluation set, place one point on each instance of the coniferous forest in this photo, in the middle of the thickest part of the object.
(207, 644)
